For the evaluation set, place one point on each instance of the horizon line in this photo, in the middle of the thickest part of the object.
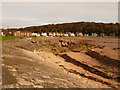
(7, 27)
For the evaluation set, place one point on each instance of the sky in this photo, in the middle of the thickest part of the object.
(24, 14)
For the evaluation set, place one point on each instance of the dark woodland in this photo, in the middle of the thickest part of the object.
(109, 29)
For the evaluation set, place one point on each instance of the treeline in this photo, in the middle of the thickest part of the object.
(109, 29)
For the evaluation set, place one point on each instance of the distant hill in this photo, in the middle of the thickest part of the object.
(108, 29)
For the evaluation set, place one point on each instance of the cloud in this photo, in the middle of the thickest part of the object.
(10, 22)
(60, 1)
(22, 14)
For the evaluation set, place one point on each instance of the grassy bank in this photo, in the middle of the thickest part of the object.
(3, 38)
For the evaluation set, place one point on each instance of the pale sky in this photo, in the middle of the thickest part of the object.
(21, 14)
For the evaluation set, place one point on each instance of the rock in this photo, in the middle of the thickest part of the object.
(24, 82)
(61, 40)
(37, 81)
(38, 86)
(46, 77)
(33, 41)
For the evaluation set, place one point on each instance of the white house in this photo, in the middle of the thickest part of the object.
(44, 34)
(50, 34)
(66, 35)
(57, 34)
(86, 34)
(80, 34)
(72, 34)
(94, 34)
(61, 34)
(2, 34)
(102, 34)
(35, 34)
(53, 34)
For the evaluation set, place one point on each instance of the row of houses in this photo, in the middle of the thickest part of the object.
(19, 33)
(50, 34)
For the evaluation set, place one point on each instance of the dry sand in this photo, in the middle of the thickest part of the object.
(69, 62)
